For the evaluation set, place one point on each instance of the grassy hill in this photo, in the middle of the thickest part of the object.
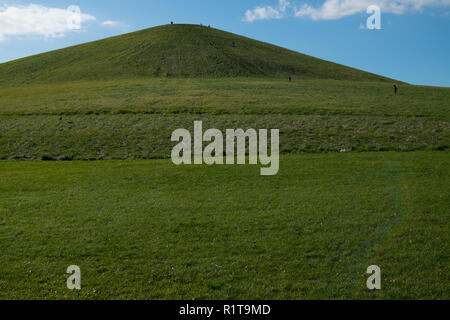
(142, 228)
(173, 51)
(121, 97)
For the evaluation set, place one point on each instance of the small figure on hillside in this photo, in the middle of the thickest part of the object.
(290, 78)
(395, 89)
(171, 22)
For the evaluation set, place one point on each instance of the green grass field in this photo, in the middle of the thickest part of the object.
(364, 175)
(150, 230)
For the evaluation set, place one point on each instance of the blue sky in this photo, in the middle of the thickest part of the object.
(413, 44)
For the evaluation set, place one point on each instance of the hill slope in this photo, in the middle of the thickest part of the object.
(173, 51)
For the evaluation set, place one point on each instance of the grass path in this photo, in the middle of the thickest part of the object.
(426, 205)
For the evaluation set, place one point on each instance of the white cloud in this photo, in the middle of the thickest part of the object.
(37, 20)
(115, 24)
(337, 9)
(267, 12)
(110, 23)
(284, 4)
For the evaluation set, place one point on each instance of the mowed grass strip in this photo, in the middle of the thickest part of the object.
(151, 230)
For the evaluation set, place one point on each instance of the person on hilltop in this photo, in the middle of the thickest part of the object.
(395, 89)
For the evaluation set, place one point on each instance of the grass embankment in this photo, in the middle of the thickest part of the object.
(134, 119)
(150, 230)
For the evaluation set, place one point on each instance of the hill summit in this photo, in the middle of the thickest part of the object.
(173, 51)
